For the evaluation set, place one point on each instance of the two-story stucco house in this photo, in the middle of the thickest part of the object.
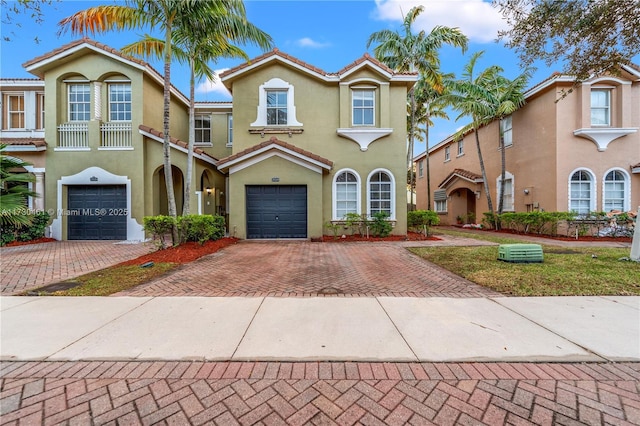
(296, 148)
(579, 152)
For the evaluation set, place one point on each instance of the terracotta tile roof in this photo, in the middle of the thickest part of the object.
(173, 140)
(366, 57)
(274, 52)
(37, 142)
(20, 79)
(465, 174)
(275, 141)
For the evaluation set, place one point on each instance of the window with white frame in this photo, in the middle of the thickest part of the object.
(381, 194)
(507, 196)
(421, 168)
(440, 200)
(615, 191)
(40, 111)
(600, 107)
(276, 107)
(79, 97)
(506, 131)
(346, 194)
(120, 102)
(460, 148)
(363, 111)
(581, 192)
(202, 129)
(447, 153)
(15, 111)
(229, 130)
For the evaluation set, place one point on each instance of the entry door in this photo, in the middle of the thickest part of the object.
(276, 211)
(97, 212)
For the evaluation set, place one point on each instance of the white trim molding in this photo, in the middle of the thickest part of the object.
(364, 136)
(602, 137)
(276, 84)
(393, 192)
(358, 182)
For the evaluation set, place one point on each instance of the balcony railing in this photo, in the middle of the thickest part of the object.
(73, 135)
(115, 135)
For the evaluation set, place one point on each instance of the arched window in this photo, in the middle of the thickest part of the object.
(616, 190)
(346, 194)
(581, 192)
(381, 193)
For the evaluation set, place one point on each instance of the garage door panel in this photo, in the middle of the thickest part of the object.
(97, 212)
(276, 211)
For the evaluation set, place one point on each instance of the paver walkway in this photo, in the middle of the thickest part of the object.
(343, 393)
(35, 265)
(311, 269)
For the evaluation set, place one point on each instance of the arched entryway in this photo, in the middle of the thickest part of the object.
(462, 205)
(161, 204)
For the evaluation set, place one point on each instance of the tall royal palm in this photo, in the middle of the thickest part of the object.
(162, 15)
(197, 45)
(409, 52)
(473, 97)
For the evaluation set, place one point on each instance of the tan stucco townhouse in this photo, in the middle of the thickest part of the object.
(567, 149)
(296, 148)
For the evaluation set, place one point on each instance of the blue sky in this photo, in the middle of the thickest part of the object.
(326, 34)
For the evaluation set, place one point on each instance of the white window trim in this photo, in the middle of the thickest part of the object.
(229, 130)
(507, 176)
(503, 129)
(73, 83)
(334, 195)
(393, 192)
(363, 89)
(40, 99)
(627, 187)
(203, 143)
(608, 91)
(421, 169)
(446, 206)
(8, 96)
(110, 86)
(447, 153)
(460, 148)
(276, 84)
(592, 194)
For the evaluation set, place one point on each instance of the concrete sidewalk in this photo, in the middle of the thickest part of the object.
(563, 329)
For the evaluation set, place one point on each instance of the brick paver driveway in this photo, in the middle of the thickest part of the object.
(311, 269)
(35, 265)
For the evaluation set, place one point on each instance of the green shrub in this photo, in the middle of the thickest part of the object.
(159, 226)
(201, 228)
(357, 223)
(422, 220)
(12, 232)
(7, 234)
(333, 227)
(379, 225)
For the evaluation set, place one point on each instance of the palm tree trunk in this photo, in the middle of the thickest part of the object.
(411, 137)
(484, 172)
(503, 169)
(192, 136)
(426, 159)
(168, 175)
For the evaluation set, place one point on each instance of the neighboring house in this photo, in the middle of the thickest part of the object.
(298, 147)
(578, 153)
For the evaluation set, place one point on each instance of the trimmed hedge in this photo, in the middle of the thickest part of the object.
(422, 220)
(33, 231)
(200, 228)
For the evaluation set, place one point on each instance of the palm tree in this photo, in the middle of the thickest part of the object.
(409, 52)
(472, 96)
(197, 45)
(429, 104)
(157, 14)
(510, 98)
(14, 191)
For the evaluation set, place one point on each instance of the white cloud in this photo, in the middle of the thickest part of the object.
(214, 86)
(309, 42)
(477, 19)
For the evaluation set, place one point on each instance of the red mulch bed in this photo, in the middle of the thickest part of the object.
(184, 253)
(411, 236)
(562, 237)
(36, 241)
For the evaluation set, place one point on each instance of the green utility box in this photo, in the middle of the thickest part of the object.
(520, 253)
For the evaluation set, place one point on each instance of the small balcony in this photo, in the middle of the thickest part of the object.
(73, 136)
(115, 135)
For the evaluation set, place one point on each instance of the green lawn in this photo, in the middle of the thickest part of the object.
(564, 272)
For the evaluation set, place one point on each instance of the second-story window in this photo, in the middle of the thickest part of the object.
(600, 107)
(447, 153)
(230, 130)
(363, 101)
(120, 102)
(421, 168)
(203, 128)
(79, 102)
(40, 111)
(15, 111)
(506, 129)
(460, 148)
(276, 107)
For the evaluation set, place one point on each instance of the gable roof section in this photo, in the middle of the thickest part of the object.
(176, 143)
(36, 64)
(277, 55)
(461, 174)
(267, 149)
